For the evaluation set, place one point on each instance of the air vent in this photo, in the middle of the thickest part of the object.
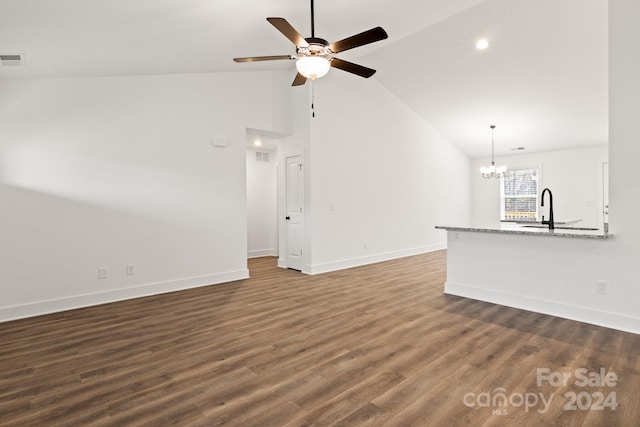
(11, 60)
(262, 157)
(517, 148)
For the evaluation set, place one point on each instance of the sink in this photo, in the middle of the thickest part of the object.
(562, 228)
(561, 223)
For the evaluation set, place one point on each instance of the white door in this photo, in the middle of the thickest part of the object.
(294, 212)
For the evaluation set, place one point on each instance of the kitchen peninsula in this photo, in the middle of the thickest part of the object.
(529, 267)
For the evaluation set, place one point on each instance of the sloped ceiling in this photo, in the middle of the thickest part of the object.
(542, 82)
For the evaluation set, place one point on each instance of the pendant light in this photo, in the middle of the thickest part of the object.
(493, 171)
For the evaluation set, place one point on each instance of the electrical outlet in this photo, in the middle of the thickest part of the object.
(365, 245)
(602, 287)
(131, 269)
(102, 272)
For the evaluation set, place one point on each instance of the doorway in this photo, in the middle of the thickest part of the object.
(262, 196)
(275, 199)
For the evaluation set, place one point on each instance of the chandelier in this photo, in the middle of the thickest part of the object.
(493, 171)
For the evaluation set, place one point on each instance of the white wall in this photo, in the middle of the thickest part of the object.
(573, 176)
(262, 209)
(105, 172)
(624, 150)
(380, 176)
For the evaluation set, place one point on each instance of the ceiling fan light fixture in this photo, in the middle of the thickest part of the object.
(313, 67)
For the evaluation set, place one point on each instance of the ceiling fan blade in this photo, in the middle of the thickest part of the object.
(350, 67)
(263, 58)
(299, 80)
(369, 36)
(289, 32)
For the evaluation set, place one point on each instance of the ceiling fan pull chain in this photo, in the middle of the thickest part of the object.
(313, 100)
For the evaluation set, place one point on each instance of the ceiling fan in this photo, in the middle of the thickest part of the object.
(314, 56)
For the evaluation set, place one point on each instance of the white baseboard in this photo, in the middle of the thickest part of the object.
(79, 301)
(553, 308)
(262, 252)
(371, 259)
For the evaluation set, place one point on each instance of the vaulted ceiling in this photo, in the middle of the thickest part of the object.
(542, 81)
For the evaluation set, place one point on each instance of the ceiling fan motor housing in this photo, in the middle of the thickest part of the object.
(317, 47)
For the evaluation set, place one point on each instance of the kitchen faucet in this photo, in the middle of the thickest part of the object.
(550, 222)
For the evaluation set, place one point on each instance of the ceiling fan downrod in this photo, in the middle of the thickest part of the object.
(313, 26)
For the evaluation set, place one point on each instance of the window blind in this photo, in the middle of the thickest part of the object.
(519, 195)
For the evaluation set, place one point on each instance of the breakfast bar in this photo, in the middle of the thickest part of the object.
(531, 267)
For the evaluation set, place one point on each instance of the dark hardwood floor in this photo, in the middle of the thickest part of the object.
(375, 345)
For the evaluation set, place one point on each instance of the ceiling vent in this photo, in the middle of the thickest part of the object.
(11, 60)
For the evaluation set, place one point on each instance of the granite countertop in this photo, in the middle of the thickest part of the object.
(525, 221)
(531, 230)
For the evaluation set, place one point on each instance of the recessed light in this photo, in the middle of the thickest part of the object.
(482, 44)
(257, 143)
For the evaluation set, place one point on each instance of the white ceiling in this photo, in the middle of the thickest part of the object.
(542, 82)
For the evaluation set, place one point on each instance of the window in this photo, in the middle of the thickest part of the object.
(519, 195)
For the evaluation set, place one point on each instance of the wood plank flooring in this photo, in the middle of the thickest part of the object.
(376, 345)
